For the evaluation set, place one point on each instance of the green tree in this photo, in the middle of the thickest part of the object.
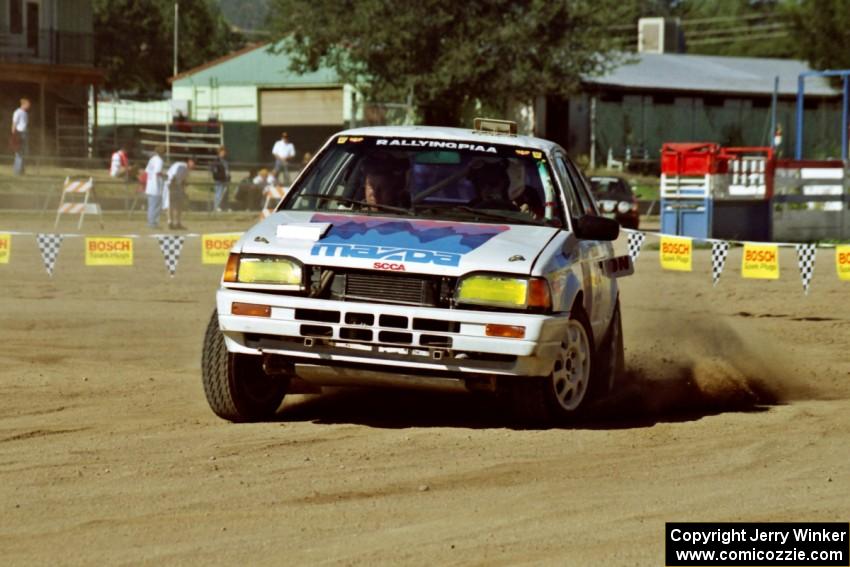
(743, 28)
(245, 14)
(821, 32)
(449, 55)
(134, 40)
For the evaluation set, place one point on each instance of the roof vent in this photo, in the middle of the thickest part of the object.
(660, 35)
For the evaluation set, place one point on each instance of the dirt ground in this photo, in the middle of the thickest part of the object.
(738, 409)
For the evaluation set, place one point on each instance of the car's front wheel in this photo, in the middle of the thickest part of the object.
(236, 387)
(563, 394)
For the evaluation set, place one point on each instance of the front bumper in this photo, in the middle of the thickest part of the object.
(404, 339)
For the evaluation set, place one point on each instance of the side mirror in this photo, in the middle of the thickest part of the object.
(590, 227)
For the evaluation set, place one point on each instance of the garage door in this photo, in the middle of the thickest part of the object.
(301, 107)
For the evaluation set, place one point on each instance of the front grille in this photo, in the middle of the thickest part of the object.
(385, 288)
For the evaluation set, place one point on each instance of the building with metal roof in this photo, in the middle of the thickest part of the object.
(681, 73)
(646, 100)
(652, 98)
(256, 95)
(254, 65)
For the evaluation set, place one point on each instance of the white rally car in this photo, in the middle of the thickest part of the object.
(423, 257)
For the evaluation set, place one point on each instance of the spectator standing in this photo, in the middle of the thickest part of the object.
(283, 151)
(177, 176)
(20, 132)
(119, 163)
(220, 170)
(154, 185)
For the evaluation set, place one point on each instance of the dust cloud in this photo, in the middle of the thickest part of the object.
(704, 365)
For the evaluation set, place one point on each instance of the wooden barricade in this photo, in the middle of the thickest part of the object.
(71, 204)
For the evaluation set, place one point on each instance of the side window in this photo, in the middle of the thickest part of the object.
(573, 201)
(587, 203)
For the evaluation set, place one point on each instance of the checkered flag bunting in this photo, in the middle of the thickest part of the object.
(806, 262)
(635, 243)
(171, 245)
(49, 245)
(719, 251)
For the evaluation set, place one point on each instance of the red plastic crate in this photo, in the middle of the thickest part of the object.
(690, 158)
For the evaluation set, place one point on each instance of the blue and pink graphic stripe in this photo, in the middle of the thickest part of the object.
(406, 240)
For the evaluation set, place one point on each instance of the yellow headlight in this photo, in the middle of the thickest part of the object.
(493, 290)
(269, 270)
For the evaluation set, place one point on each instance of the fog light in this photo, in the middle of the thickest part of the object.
(250, 309)
(507, 331)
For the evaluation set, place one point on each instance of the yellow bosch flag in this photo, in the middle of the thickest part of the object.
(760, 261)
(5, 248)
(109, 251)
(216, 247)
(676, 253)
(842, 262)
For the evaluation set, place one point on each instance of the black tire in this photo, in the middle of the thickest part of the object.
(236, 386)
(609, 366)
(555, 398)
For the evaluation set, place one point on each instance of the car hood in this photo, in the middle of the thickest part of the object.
(399, 244)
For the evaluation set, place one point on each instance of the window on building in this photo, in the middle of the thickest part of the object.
(32, 26)
(16, 16)
(611, 97)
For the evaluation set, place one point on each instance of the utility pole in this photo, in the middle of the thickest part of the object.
(774, 101)
(176, 32)
(593, 132)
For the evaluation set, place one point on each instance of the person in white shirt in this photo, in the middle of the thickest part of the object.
(283, 151)
(119, 163)
(20, 125)
(153, 187)
(175, 184)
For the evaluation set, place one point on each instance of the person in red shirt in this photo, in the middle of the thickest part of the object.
(119, 164)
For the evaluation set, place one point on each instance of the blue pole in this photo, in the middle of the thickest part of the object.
(798, 152)
(844, 117)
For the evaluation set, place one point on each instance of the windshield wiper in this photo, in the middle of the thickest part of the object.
(478, 212)
(428, 191)
(348, 201)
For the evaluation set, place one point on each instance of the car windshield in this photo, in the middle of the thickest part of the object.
(431, 179)
(609, 188)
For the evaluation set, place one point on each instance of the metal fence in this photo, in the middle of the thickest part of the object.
(185, 140)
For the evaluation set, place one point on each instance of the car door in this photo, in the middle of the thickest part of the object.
(603, 288)
(590, 272)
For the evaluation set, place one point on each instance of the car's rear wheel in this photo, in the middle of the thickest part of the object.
(236, 387)
(610, 358)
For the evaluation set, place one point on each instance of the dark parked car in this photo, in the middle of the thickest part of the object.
(616, 200)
